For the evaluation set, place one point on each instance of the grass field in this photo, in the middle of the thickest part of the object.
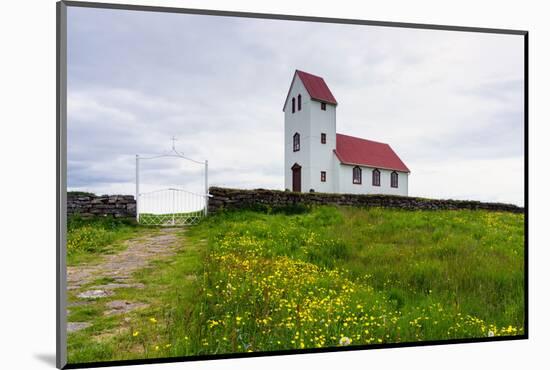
(250, 281)
(89, 238)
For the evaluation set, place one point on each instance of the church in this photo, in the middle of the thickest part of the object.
(319, 159)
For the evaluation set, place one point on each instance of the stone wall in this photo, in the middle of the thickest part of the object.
(101, 205)
(224, 198)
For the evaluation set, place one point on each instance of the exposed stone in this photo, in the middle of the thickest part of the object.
(95, 294)
(76, 326)
(105, 205)
(119, 285)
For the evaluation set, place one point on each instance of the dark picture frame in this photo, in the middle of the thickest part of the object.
(61, 193)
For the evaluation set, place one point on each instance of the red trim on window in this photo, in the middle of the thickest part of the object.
(394, 180)
(296, 142)
(357, 175)
(376, 177)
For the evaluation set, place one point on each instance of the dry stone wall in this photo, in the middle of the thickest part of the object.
(224, 198)
(101, 205)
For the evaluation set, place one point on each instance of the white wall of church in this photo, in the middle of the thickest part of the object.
(309, 122)
(322, 121)
(346, 184)
(297, 122)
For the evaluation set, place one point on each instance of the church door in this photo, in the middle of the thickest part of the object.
(296, 178)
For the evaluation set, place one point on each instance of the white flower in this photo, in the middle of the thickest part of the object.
(491, 333)
(345, 341)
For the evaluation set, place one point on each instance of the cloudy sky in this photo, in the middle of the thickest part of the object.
(449, 103)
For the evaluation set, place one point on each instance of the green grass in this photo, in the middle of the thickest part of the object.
(368, 275)
(89, 238)
(290, 279)
(160, 330)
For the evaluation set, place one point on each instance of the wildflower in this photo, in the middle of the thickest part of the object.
(491, 333)
(156, 348)
(167, 345)
(345, 341)
(135, 334)
(153, 320)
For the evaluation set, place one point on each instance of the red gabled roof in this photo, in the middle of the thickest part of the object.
(356, 151)
(315, 86)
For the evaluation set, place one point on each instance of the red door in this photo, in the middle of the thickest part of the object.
(296, 178)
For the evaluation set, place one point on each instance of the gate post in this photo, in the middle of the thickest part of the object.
(137, 187)
(173, 206)
(206, 187)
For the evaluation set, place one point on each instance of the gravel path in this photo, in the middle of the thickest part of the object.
(118, 268)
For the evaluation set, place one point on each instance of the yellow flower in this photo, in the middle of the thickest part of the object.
(167, 345)
(345, 341)
(136, 333)
(156, 348)
(153, 320)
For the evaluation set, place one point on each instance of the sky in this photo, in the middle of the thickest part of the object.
(449, 103)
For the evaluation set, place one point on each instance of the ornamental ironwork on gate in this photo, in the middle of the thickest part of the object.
(170, 206)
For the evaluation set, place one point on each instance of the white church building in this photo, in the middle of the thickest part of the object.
(318, 159)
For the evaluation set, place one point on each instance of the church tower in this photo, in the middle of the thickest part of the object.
(310, 135)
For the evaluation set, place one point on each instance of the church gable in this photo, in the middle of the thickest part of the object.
(315, 87)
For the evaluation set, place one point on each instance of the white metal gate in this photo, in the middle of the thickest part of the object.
(170, 206)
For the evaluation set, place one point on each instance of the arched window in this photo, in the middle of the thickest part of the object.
(394, 177)
(376, 177)
(296, 142)
(293, 105)
(357, 175)
(299, 102)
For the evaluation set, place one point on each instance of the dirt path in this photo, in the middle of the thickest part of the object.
(117, 270)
